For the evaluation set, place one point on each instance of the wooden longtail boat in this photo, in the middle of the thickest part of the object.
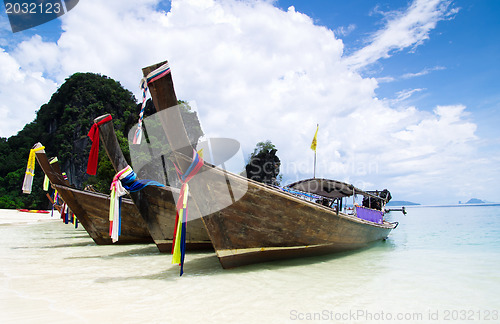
(266, 223)
(92, 209)
(155, 204)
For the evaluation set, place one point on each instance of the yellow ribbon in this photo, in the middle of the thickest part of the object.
(46, 181)
(31, 160)
(176, 257)
(30, 170)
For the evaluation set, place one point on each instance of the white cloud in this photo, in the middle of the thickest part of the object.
(22, 92)
(423, 72)
(257, 73)
(386, 79)
(403, 29)
(445, 130)
(405, 94)
(344, 31)
(410, 75)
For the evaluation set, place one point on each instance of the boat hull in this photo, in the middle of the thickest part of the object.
(268, 224)
(241, 257)
(155, 204)
(260, 223)
(95, 209)
(92, 209)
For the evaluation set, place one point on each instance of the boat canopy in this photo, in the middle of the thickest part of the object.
(327, 188)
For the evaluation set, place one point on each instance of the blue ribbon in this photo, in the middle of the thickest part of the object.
(132, 184)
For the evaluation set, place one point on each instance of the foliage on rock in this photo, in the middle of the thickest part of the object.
(61, 125)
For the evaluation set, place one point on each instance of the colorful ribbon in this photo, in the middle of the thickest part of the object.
(67, 215)
(123, 182)
(74, 220)
(55, 203)
(179, 240)
(63, 212)
(117, 191)
(46, 181)
(94, 150)
(151, 77)
(30, 168)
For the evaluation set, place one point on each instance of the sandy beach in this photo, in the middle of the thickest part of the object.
(53, 273)
(12, 216)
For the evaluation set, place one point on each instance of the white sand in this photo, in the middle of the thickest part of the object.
(12, 216)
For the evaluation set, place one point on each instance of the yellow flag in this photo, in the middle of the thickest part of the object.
(315, 140)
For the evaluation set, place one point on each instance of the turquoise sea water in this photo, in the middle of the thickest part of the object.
(441, 265)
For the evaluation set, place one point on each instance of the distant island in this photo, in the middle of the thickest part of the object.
(401, 203)
(471, 203)
(474, 201)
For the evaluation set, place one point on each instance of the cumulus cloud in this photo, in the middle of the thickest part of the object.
(21, 93)
(257, 72)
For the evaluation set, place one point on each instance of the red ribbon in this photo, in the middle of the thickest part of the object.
(94, 150)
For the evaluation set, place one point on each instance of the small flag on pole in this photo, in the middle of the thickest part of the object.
(315, 139)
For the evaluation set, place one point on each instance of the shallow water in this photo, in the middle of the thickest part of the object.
(439, 265)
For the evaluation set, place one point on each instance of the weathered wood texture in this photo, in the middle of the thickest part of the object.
(265, 224)
(155, 204)
(96, 207)
(92, 209)
(163, 95)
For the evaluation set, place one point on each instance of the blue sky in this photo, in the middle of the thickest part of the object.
(406, 93)
(465, 51)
